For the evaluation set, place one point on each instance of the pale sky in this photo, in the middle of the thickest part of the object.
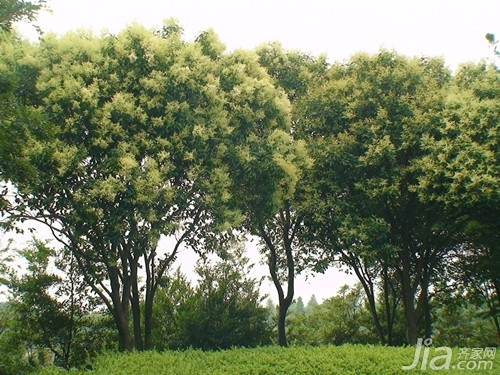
(337, 28)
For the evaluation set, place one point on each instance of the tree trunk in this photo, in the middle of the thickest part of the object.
(284, 301)
(391, 313)
(124, 338)
(136, 309)
(408, 298)
(282, 311)
(370, 295)
(425, 308)
(376, 320)
(148, 319)
(121, 308)
(496, 322)
(387, 303)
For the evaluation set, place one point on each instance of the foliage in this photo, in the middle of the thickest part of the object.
(494, 45)
(54, 316)
(135, 136)
(17, 76)
(345, 359)
(337, 320)
(462, 171)
(463, 325)
(385, 164)
(12, 11)
(270, 192)
(293, 71)
(462, 168)
(13, 359)
(364, 126)
(222, 311)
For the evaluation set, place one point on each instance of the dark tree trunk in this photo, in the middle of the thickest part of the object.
(287, 229)
(392, 302)
(283, 301)
(282, 311)
(424, 307)
(408, 298)
(370, 294)
(136, 309)
(122, 325)
(121, 308)
(148, 324)
(389, 312)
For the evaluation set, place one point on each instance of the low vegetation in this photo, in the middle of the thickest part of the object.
(342, 360)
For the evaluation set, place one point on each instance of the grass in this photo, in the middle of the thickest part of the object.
(331, 360)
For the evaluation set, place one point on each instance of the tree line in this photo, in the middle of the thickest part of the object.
(385, 165)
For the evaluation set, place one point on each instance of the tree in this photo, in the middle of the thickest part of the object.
(135, 135)
(224, 309)
(338, 320)
(53, 313)
(270, 179)
(471, 283)
(462, 324)
(174, 292)
(462, 172)
(13, 359)
(365, 125)
(17, 78)
(12, 11)
(298, 306)
(14, 81)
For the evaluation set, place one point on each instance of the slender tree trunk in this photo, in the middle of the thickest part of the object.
(121, 308)
(370, 295)
(387, 303)
(424, 307)
(391, 315)
(148, 317)
(136, 309)
(284, 301)
(153, 275)
(496, 322)
(282, 311)
(376, 320)
(408, 297)
(492, 309)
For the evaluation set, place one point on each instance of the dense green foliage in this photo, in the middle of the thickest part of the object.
(140, 136)
(129, 146)
(338, 320)
(341, 360)
(222, 311)
(364, 125)
(51, 315)
(346, 318)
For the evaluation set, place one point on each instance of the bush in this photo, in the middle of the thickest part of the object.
(224, 310)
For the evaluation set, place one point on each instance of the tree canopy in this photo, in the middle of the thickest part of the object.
(365, 125)
(131, 146)
(133, 139)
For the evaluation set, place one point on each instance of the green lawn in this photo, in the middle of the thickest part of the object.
(341, 360)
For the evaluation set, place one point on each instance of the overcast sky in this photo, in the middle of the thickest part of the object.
(339, 28)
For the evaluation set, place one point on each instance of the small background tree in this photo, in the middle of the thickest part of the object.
(222, 311)
(54, 317)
